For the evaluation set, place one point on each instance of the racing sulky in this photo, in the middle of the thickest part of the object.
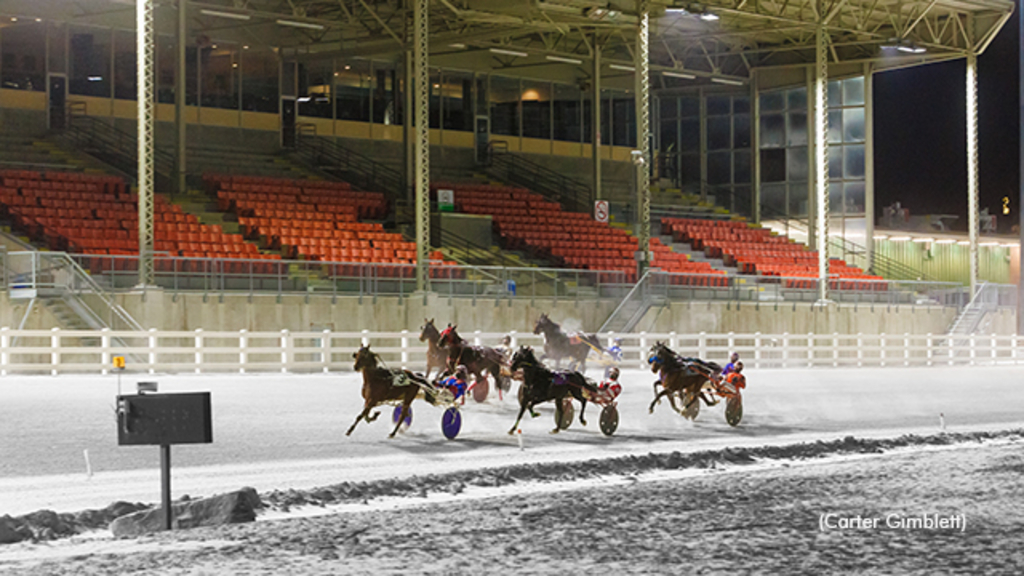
(382, 385)
(680, 376)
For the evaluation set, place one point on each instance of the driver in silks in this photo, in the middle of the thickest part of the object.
(456, 383)
(734, 380)
(506, 348)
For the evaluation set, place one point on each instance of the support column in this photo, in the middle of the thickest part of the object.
(408, 135)
(972, 167)
(869, 166)
(821, 155)
(643, 132)
(755, 142)
(144, 95)
(702, 107)
(1020, 202)
(812, 211)
(180, 162)
(421, 147)
(595, 131)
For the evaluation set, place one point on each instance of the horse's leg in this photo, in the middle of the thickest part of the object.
(657, 398)
(583, 409)
(366, 410)
(522, 409)
(401, 417)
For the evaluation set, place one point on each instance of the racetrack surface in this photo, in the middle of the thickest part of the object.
(287, 431)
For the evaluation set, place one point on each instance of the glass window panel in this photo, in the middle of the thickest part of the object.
(741, 167)
(798, 199)
(57, 42)
(719, 168)
(854, 197)
(796, 99)
(588, 117)
(718, 105)
(605, 133)
(165, 67)
(796, 133)
(740, 105)
(690, 169)
(537, 109)
(835, 126)
(624, 116)
(773, 102)
(289, 75)
(192, 76)
(741, 131)
(854, 161)
(260, 80)
(773, 131)
(125, 87)
(504, 106)
(835, 197)
(90, 61)
(773, 198)
(220, 79)
(835, 93)
(689, 106)
(853, 91)
(434, 99)
(481, 95)
(668, 136)
(853, 125)
(689, 135)
(835, 162)
(458, 98)
(385, 95)
(668, 107)
(719, 128)
(352, 90)
(773, 165)
(24, 57)
(796, 164)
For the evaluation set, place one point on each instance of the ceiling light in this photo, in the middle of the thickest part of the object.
(900, 238)
(295, 24)
(727, 81)
(457, 46)
(924, 240)
(709, 16)
(39, 19)
(596, 13)
(880, 237)
(678, 75)
(945, 241)
(621, 67)
(562, 59)
(246, 47)
(963, 243)
(509, 52)
(231, 15)
(903, 45)
(989, 244)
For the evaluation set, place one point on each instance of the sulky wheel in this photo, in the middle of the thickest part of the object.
(734, 410)
(691, 406)
(564, 412)
(451, 423)
(398, 413)
(480, 390)
(609, 419)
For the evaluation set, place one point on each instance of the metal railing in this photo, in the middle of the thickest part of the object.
(515, 169)
(356, 168)
(200, 351)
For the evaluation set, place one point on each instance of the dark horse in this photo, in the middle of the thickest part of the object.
(386, 384)
(478, 360)
(682, 376)
(541, 385)
(436, 356)
(558, 344)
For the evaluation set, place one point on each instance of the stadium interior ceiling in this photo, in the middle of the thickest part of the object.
(691, 43)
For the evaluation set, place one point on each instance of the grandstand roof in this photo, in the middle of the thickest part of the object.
(748, 35)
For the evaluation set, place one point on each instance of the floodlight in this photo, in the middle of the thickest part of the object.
(509, 52)
(728, 81)
(678, 75)
(621, 67)
(231, 15)
(563, 59)
(296, 24)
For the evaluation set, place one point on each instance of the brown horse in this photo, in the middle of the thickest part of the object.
(558, 344)
(478, 360)
(680, 376)
(436, 356)
(386, 385)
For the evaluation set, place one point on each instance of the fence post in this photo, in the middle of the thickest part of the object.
(643, 346)
(104, 351)
(199, 350)
(881, 349)
(243, 356)
(476, 338)
(757, 349)
(152, 350)
(810, 349)
(325, 354)
(835, 349)
(702, 345)
(405, 348)
(672, 340)
(286, 348)
(785, 349)
(974, 344)
(732, 345)
(906, 349)
(54, 351)
(949, 345)
(928, 352)
(993, 348)
(366, 338)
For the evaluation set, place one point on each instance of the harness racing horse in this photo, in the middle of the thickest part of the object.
(436, 356)
(558, 344)
(478, 360)
(680, 376)
(387, 384)
(542, 385)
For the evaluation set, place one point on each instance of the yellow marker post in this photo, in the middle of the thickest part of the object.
(119, 366)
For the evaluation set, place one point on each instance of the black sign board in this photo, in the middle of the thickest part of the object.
(164, 419)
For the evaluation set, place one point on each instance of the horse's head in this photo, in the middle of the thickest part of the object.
(364, 359)
(656, 356)
(542, 324)
(448, 337)
(428, 332)
(523, 357)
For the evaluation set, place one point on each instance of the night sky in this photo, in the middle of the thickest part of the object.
(920, 134)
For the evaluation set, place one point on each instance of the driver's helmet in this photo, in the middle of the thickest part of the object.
(617, 341)
(461, 372)
(507, 340)
(613, 373)
(734, 357)
(738, 368)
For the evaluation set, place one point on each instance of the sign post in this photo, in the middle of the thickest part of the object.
(601, 211)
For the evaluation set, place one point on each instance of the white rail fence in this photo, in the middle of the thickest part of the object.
(83, 352)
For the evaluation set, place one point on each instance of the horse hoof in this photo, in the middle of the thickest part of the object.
(583, 422)
(555, 431)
